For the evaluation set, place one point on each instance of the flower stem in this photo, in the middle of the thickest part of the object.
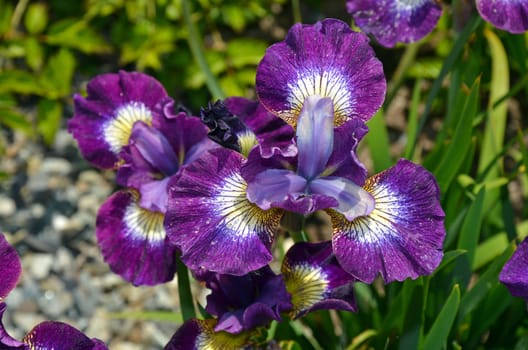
(197, 52)
(184, 291)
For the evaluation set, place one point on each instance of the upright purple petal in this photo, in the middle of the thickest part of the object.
(315, 279)
(10, 267)
(273, 186)
(211, 220)
(273, 134)
(508, 15)
(327, 59)
(514, 274)
(393, 21)
(246, 302)
(315, 136)
(402, 237)
(103, 120)
(133, 240)
(200, 335)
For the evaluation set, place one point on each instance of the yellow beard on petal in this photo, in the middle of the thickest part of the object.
(211, 340)
(117, 131)
(143, 223)
(306, 284)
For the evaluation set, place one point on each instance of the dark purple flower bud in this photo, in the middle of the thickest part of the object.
(246, 302)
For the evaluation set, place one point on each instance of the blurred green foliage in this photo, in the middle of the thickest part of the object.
(48, 48)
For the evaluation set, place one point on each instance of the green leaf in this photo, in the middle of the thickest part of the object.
(378, 142)
(19, 81)
(36, 18)
(34, 53)
(455, 152)
(470, 231)
(48, 119)
(6, 12)
(15, 121)
(76, 34)
(233, 16)
(243, 52)
(58, 74)
(425, 68)
(494, 132)
(437, 336)
(489, 250)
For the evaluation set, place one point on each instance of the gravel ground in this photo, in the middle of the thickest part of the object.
(48, 206)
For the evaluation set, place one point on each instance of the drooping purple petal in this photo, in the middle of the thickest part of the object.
(514, 274)
(6, 341)
(103, 120)
(402, 237)
(509, 15)
(315, 279)
(59, 335)
(10, 267)
(393, 21)
(248, 301)
(327, 59)
(49, 335)
(133, 240)
(273, 134)
(353, 201)
(211, 220)
(315, 136)
(200, 335)
(273, 186)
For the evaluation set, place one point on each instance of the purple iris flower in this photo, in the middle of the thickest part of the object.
(508, 15)
(103, 120)
(514, 275)
(200, 335)
(326, 59)
(209, 217)
(243, 303)
(402, 236)
(392, 21)
(128, 122)
(211, 221)
(315, 279)
(46, 335)
(325, 173)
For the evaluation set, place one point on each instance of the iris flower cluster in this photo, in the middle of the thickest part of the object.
(407, 21)
(212, 190)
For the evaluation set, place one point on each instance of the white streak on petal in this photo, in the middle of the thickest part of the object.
(307, 285)
(144, 224)
(117, 130)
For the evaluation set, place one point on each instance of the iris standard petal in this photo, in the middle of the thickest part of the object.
(402, 237)
(327, 59)
(508, 15)
(514, 274)
(393, 21)
(200, 335)
(315, 279)
(211, 220)
(275, 185)
(103, 120)
(10, 267)
(315, 136)
(133, 240)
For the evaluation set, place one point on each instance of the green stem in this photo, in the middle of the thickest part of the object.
(184, 291)
(296, 9)
(197, 52)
